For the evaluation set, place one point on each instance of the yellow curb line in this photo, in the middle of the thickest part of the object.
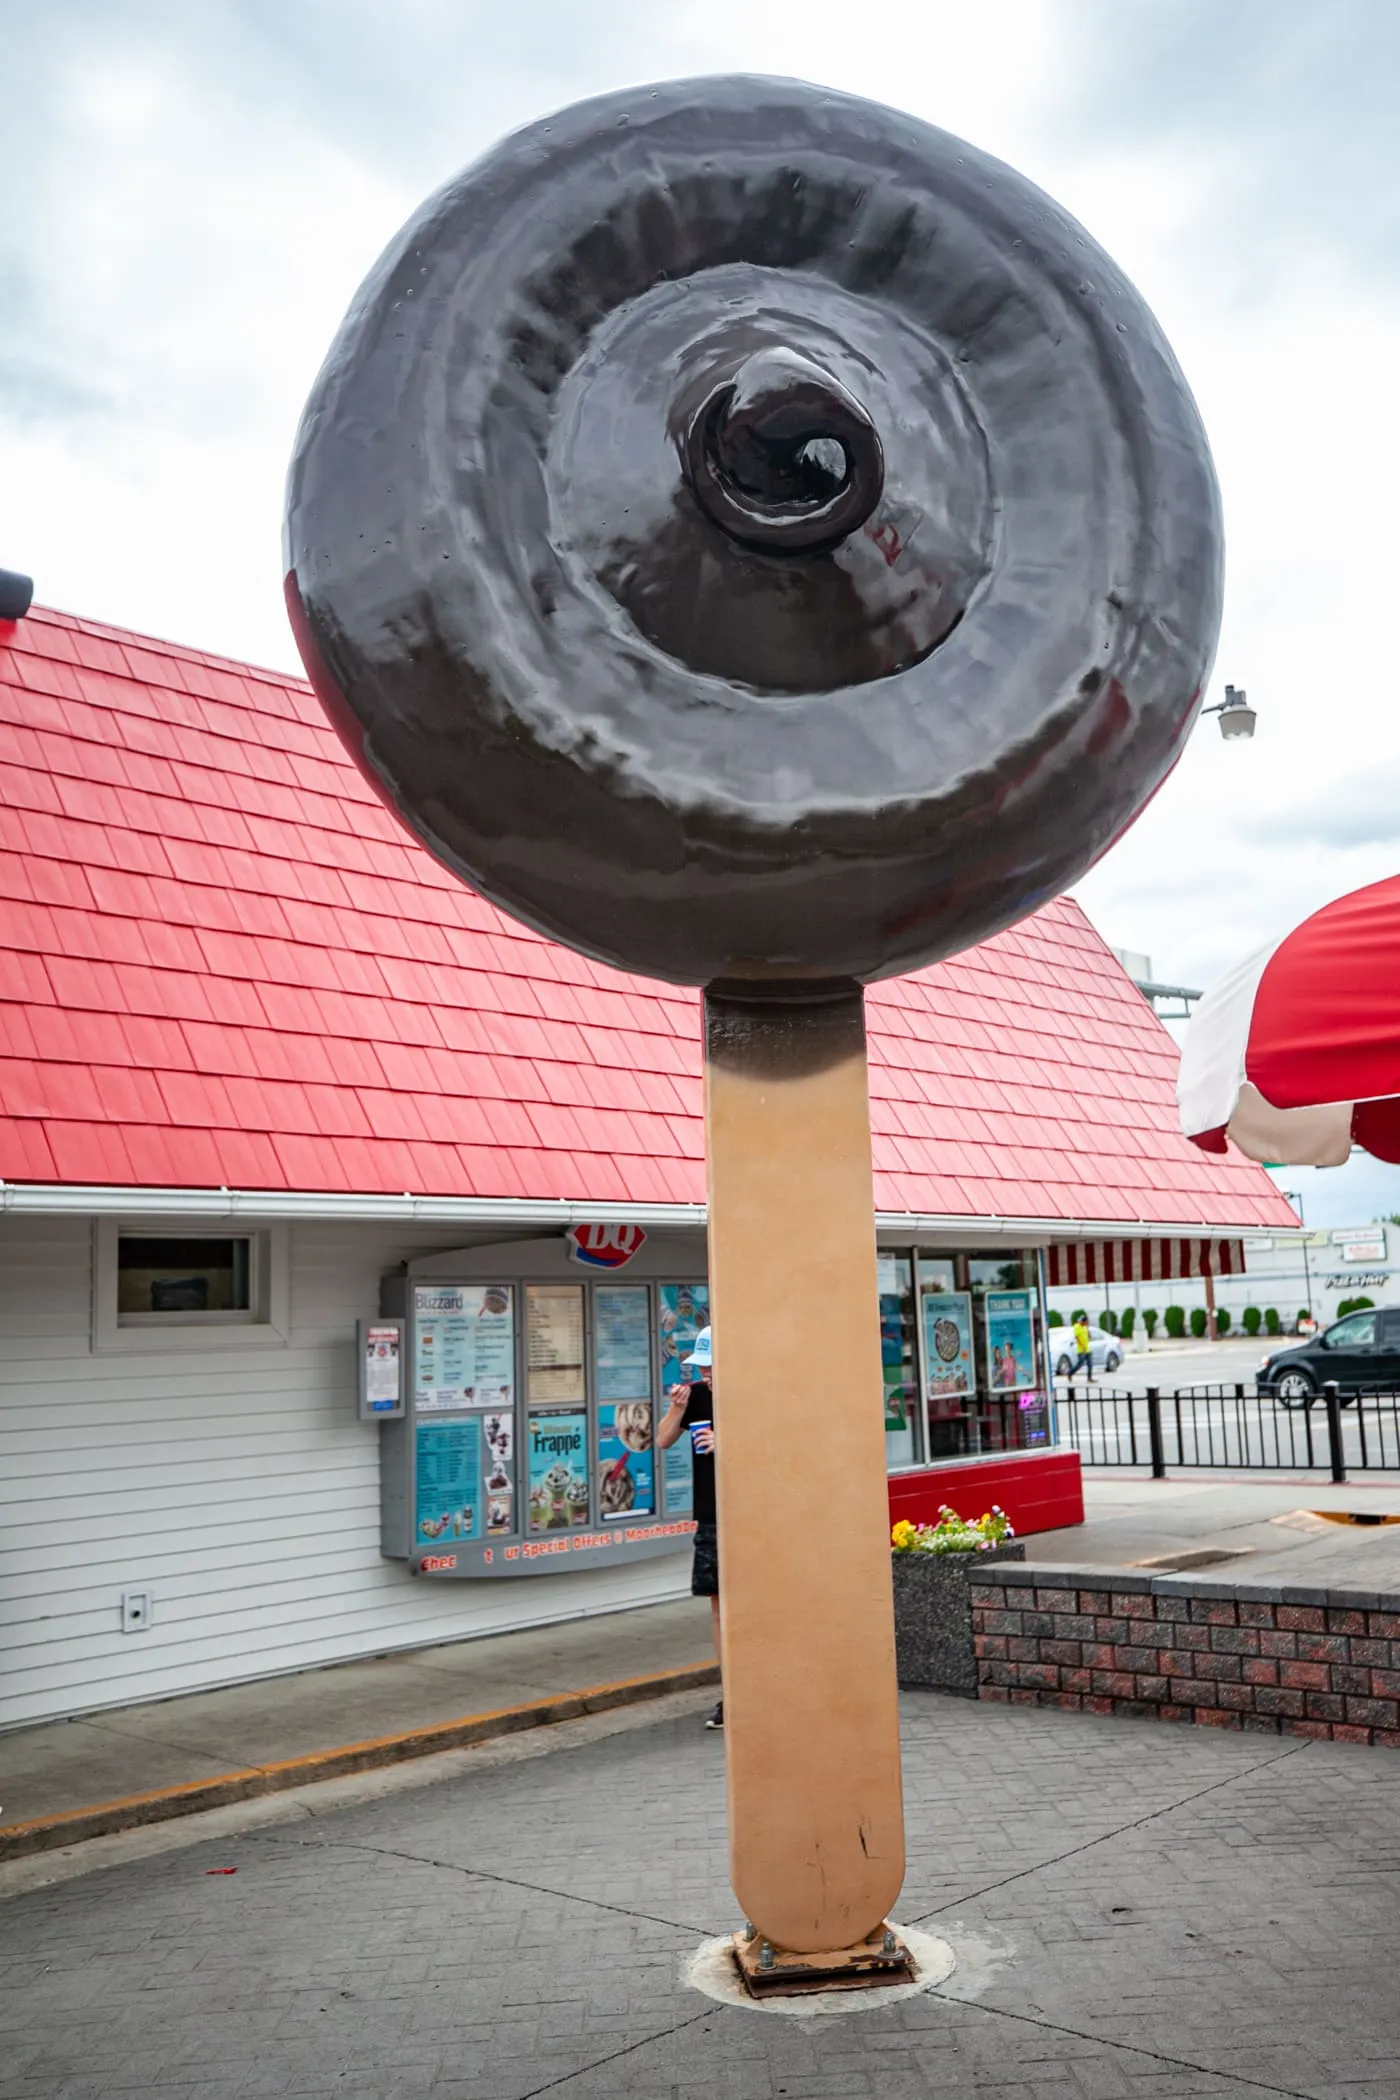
(104, 1818)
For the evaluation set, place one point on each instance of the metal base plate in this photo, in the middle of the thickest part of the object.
(767, 1972)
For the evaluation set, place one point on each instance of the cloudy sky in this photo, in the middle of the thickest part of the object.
(195, 187)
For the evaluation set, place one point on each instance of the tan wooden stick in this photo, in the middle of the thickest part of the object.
(816, 1825)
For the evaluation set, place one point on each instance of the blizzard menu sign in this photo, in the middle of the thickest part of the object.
(463, 1347)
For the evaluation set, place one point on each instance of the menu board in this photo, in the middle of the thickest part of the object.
(554, 1342)
(678, 1476)
(463, 1347)
(682, 1310)
(626, 1462)
(1034, 1418)
(947, 1318)
(498, 1473)
(557, 1442)
(622, 1342)
(1010, 1341)
(381, 1368)
(893, 1287)
(447, 1481)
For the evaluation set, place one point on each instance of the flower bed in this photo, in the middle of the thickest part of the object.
(931, 1565)
(953, 1534)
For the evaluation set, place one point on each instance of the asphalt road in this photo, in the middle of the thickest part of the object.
(1192, 1363)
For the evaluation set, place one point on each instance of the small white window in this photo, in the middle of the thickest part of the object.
(162, 1280)
(162, 1288)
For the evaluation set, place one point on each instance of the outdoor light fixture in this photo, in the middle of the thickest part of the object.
(1237, 717)
(16, 594)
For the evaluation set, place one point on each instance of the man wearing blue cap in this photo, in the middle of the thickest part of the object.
(692, 1409)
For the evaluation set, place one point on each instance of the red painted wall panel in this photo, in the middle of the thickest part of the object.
(1039, 1490)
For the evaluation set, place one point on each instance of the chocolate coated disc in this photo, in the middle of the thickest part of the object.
(750, 534)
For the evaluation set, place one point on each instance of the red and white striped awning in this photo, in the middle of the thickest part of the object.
(1142, 1261)
(1296, 1054)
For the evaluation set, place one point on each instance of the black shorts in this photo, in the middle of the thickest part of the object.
(704, 1570)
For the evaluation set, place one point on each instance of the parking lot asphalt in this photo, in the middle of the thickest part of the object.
(1236, 1359)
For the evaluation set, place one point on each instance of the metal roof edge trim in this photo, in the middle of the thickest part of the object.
(1060, 1230)
(108, 1199)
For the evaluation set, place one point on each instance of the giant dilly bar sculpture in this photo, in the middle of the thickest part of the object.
(762, 542)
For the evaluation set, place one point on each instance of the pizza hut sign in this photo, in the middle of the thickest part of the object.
(604, 1246)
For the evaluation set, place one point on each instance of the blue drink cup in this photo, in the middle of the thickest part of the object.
(699, 1430)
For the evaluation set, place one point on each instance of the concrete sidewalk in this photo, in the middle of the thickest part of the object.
(178, 1756)
(1266, 1527)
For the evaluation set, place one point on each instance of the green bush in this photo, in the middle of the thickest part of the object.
(1252, 1318)
(1303, 1314)
(1055, 1319)
(1129, 1323)
(1346, 1305)
(1272, 1323)
(1176, 1322)
(1149, 1321)
(1198, 1321)
(1222, 1319)
(1108, 1320)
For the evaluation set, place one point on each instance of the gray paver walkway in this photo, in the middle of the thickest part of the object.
(1139, 1911)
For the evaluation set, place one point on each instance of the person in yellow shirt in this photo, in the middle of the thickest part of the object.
(1084, 1353)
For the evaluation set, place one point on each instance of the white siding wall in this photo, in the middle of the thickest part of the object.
(236, 1485)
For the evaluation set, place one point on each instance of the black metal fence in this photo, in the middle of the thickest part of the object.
(1234, 1426)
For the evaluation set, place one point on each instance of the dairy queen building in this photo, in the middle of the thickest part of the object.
(350, 1233)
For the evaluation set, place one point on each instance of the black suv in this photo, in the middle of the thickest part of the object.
(1361, 1352)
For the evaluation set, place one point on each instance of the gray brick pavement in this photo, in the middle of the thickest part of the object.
(1172, 1913)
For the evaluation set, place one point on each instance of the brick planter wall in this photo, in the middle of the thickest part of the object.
(933, 1616)
(1275, 1660)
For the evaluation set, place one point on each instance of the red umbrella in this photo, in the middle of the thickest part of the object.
(1296, 1054)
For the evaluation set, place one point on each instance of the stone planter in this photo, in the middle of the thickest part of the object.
(933, 1617)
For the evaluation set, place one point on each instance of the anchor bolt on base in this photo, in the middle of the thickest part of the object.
(768, 1972)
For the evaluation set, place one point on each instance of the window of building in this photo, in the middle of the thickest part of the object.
(899, 1357)
(157, 1288)
(999, 1272)
(982, 1359)
(937, 1272)
(163, 1279)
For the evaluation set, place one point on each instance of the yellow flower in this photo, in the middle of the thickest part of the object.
(902, 1535)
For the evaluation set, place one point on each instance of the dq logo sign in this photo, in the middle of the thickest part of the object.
(604, 1246)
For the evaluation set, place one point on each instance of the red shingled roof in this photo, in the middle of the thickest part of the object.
(223, 963)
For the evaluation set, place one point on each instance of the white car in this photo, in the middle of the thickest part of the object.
(1105, 1351)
